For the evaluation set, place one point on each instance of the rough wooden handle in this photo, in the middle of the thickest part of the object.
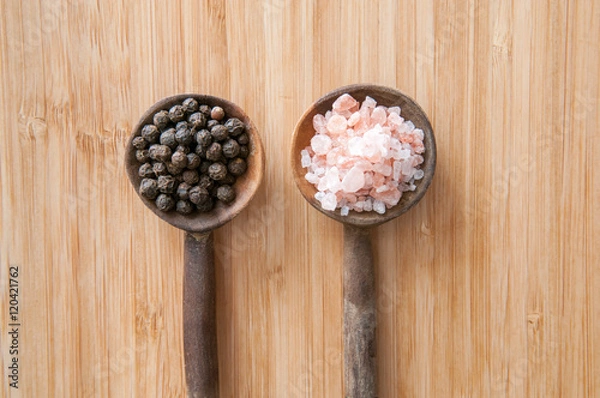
(199, 320)
(360, 318)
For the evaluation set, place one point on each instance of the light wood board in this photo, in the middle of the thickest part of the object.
(490, 287)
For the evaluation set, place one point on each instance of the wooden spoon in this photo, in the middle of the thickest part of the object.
(199, 321)
(360, 316)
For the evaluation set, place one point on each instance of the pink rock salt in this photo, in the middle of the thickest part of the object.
(363, 156)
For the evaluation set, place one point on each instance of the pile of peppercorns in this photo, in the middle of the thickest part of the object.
(190, 157)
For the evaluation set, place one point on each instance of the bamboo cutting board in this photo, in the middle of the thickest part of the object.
(488, 288)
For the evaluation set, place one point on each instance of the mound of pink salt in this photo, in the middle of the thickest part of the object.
(362, 156)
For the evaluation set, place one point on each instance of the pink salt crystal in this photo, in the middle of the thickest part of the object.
(368, 103)
(379, 116)
(354, 180)
(319, 124)
(329, 202)
(394, 109)
(337, 124)
(344, 102)
(368, 206)
(354, 118)
(394, 120)
(379, 206)
(320, 143)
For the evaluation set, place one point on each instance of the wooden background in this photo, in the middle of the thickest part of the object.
(490, 287)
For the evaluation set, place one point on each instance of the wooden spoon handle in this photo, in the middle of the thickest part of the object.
(199, 317)
(360, 318)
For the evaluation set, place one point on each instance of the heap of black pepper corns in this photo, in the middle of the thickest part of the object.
(190, 157)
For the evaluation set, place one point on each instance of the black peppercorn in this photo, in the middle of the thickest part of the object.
(163, 153)
(237, 166)
(179, 159)
(148, 188)
(200, 151)
(225, 194)
(217, 171)
(203, 138)
(173, 169)
(198, 195)
(160, 169)
(243, 139)
(228, 180)
(168, 138)
(182, 125)
(184, 207)
(193, 161)
(217, 113)
(205, 206)
(231, 148)
(244, 151)
(150, 133)
(161, 119)
(197, 120)
(139, 143)
(184, 136)
(211, 123)
(166, 184)
(213, 191)
(235, 126)
(219, 132)
(214, 152)
(183, 148)
(146, 171)
(190, 105)
(203, 169)
(142, 155)
(205, 182)
(183, 190)
(190, 176)
(176, 113)
(164, 202)
(205, 110)
(152, 151)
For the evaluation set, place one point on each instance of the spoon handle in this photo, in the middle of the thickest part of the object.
(199, 317)
(360, 317)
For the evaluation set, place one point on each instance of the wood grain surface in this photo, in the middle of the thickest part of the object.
(489, 287)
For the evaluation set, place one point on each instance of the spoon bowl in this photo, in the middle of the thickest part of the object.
(245, 185)
(385, 96)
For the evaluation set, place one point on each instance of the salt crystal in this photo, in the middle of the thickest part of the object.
(354, 118)
(379, 115)
(321, 144)
(359, 206)
(344, 210)
(320, 171)
(312, 178)
(344, 102)
(394, 109)
(368, 103)
(419, 174)
(355, 146)
(368, 205)
(379, 206)
(409, 126)
(319, 124)
(419, 134)
(319, 196)
(306, 161)
(329, 202)
(354, 180)
(337, 124)
(332, 180)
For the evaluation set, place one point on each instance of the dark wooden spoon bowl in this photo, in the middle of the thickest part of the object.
(360, 317)
(199, 318)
